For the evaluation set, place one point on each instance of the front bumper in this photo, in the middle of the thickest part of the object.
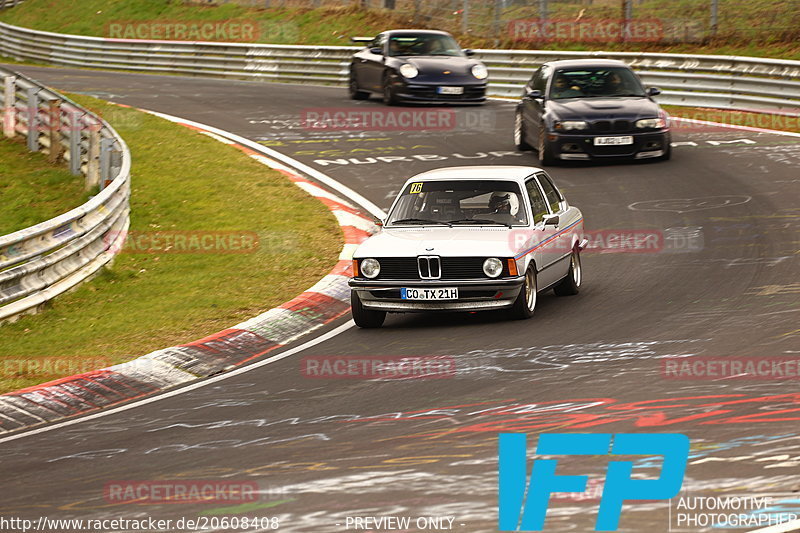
(473, 295)
(427, 92)
(581, 146)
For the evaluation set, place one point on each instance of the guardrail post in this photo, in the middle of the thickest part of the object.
(465, 17)
(75, 143)
(9, 105)
(54, 117)
(714, 17)
(105, 161)
(33, 119)
(93, 164)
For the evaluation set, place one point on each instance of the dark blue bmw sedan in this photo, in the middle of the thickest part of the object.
(590, 109)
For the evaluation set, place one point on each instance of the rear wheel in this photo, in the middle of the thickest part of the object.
(571, 283)
(365, 318)
(354, 91)
(546, 157)
(519, 133)
(525, 303)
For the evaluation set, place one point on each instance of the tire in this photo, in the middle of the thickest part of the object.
(546, 157)
(389, 98)
(571, 283)
(364, 318)
(353, 90)
(525, 303)
(519, 133)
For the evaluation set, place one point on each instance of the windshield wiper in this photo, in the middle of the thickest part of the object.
(479, 221)
(421, 221)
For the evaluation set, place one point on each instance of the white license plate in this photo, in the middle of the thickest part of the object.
(450, 90)
(614, 141)
(429, 294)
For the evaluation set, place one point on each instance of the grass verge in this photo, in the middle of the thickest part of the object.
(754, 28)
(32, 189)
(184, 182)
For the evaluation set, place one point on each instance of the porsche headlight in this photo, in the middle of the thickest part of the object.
(567, 125)
(651, 123)
(408, 70)
(480, 72)
(493, 267)
(370, 267)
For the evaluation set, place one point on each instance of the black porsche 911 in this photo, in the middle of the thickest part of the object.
(590, 109)
(418, 66)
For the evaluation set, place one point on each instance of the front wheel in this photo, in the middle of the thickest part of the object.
(519, 132)
(365, 318)
(389, 97)
(571, 283)
(354, 91)
(546, 157)
(526, 300)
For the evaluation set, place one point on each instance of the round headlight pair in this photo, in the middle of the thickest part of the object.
(408, 70)
(493, 267)
(370, 267)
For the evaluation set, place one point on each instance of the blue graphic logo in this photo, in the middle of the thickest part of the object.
(523, 506)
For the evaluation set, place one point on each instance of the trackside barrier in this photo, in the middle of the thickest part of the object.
(726, 82)
(40, 262)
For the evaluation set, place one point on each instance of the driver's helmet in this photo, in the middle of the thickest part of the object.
(504, 202)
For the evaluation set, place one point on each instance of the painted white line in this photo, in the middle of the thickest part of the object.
(786, 527)
(241, 370)
(373, 209)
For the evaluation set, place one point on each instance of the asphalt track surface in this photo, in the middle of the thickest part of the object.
(323, 450)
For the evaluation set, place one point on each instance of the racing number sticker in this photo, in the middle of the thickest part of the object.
(415, 188)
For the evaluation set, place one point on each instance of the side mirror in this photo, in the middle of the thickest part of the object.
(380, 222)
(469, 52)
(533, 94)
(378, 51)
(550, 220)
(653, 91)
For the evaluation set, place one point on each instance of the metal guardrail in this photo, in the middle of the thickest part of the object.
(727, 82)
(40, 262)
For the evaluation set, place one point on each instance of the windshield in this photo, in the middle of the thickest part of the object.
(459, 203)
(423, 45)
(595, 82)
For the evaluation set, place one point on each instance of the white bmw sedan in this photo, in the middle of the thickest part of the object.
(469, 239)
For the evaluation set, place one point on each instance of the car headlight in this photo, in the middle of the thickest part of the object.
(480, 72)
(370, 267)
(408, 70)
(651, 123)
(567, 125)
(493, 267)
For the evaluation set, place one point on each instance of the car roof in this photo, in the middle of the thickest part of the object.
(483, 172)
(432, 32)
(571, 63)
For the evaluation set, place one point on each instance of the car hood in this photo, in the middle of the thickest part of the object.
(486, 241)
(630, 107)
(433, 68)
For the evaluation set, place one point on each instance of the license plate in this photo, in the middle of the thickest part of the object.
(429, 294)
(450, 90)
(614, 141)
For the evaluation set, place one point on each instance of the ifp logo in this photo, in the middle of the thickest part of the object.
(524, 510)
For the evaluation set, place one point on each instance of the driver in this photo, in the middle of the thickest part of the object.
(503, 207)
(562, 89)
(615, 84)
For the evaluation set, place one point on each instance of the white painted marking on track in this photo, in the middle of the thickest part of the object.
(241, 370)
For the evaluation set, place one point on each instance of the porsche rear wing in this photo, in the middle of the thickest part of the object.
(364, 40)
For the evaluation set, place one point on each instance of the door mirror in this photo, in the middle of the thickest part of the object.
(533, 94)
(378, 51)
(653, 91)
(380, 222)
(469, 52)
(550, 220)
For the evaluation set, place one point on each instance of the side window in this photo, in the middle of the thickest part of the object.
(554, 198)
(378, 41)
(534, 82)
(538, 204)
(543, 77)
